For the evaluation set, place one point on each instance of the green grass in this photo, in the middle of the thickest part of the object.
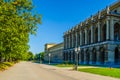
(64, 65)
(114, 72)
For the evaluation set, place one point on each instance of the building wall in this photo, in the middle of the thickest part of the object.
(55, 53)
(98, 38)
(47, 46)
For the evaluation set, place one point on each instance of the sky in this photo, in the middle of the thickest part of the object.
(58, 16)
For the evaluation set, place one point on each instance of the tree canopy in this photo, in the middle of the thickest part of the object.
(17, 22)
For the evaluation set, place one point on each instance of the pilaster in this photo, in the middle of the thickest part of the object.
(69, 41)
(72, 40)
(107, 28)
(85, 36)
(111, 29)
(90, 62)
(84, 56)
(98, 31)
(76, 35)
(80, 38)
(92, 34)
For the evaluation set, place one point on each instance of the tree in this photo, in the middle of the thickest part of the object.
(17, 22)
(42, 55)
(39, 56)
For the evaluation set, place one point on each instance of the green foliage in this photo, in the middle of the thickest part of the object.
(29, 56)
(39, 56)
(5, 65)
(113, 72)
(17, 22)
(8, 64)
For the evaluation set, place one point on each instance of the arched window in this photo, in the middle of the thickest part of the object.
(104, 33)
(71, 40)
(102, 55)
(117, 56)
(78, 38)
(116, 32)
(96, 35)
(94, 56)
(82, 56)
(87, 57)
(74, 40)
(89, 36)
(83, 37)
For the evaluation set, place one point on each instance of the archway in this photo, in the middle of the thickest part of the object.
(82, 56)
(70, 60)
(78, 37)
(83, 37)
(89, 37)
(103, 36)
(87, 57)
(117, 56)
(102, 55)
(94, 56)
(73, 56)
(116, 32)
(67, 56)
(96, 35)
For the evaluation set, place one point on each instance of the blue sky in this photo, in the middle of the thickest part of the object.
(59, 16)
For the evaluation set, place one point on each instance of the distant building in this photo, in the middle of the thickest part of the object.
(98, 38)
(55, 52)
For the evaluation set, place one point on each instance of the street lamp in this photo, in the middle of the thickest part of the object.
(49, 57)
(77, 49)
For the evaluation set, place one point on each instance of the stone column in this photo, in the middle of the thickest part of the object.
(80, 38)
(66, 41)
(72, 40)
(92, 31)
(98, 31)
(84, 56)
(76, 35)
(111, 29)
(98, 57)
(107, 28)
(111, 58)
(110, 55)
(90, 62)
(69, 40)
(85, 36)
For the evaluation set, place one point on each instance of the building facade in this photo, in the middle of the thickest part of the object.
(54, 53)
(98, 38)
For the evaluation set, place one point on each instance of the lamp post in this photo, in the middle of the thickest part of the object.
(49, 57)
(77, 49)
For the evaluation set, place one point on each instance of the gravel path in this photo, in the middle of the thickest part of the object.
(33, 71)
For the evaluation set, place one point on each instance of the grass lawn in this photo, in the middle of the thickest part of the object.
(114, 72)
(64, 65)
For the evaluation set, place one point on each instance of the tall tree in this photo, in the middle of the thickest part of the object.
(17, 22)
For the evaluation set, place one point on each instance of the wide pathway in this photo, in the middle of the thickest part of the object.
(33, 71)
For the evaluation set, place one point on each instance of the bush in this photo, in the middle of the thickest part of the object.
(9, 64)
(5, 65)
